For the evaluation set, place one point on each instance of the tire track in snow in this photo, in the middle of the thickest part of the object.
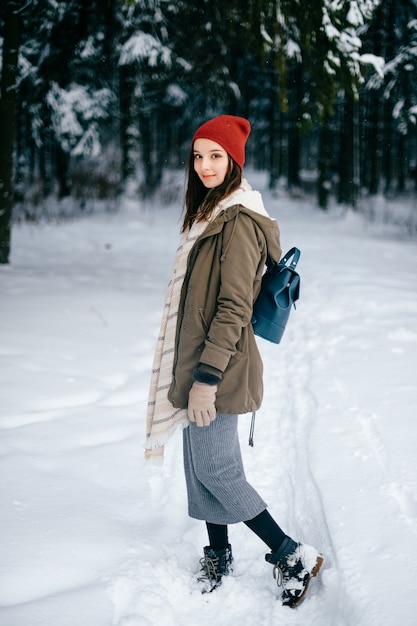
(291, 408)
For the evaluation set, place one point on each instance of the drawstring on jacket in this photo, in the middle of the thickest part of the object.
(252, 429)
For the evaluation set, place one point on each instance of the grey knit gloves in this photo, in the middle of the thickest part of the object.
(201, 404)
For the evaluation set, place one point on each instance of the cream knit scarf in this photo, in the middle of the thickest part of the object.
(162, 417)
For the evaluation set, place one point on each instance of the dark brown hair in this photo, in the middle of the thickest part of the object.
(200, 201)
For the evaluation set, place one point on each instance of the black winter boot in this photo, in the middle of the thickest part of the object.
(295, 564)
(214, 565)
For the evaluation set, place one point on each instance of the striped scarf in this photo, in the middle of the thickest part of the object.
(162, 417)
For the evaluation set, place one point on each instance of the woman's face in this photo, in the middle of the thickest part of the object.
(211, 162)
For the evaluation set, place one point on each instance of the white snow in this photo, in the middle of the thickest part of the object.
(377, 63)
(144, 46)
(72, 106)
(91, 536)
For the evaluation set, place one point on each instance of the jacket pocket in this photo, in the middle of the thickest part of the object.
(203, 319)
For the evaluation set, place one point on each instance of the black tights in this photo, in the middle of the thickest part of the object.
(262, 525)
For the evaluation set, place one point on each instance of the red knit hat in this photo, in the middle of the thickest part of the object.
(230, 131)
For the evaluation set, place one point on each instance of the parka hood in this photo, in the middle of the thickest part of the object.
(247, 200)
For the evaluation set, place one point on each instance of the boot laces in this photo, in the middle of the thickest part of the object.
(278, 574)
(209, 567)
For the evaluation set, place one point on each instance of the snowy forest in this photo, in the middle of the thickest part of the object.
(102, 96)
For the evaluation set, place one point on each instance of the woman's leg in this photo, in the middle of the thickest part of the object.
(218, 536)
(262, 525)
(267, 529)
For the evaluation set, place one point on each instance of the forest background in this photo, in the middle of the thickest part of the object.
(99, 98)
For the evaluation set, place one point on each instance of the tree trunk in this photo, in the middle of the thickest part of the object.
(390, 155)
(373, 157)
(128, 121)
(324, 164)
(150, 152)
(274, 141)
(62, 161)
(8, 103)
(347, 154)
(402, 161)
(293, 157)
(294, 133)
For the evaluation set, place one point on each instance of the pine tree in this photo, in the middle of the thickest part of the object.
(391, 98)
(321, 38)
(8, 100)
(67, 91)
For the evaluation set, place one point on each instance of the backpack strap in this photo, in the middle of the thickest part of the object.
(294, 252)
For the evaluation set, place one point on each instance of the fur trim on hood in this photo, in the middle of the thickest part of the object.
(247, 197)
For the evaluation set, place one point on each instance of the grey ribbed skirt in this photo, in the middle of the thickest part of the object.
(218, 491)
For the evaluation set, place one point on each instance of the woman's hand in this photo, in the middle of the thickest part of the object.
(201, 404)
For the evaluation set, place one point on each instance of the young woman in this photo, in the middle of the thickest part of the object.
(207, 368)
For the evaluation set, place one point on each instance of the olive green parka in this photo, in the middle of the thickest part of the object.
(214, 329)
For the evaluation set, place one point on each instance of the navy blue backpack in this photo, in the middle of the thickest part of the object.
(279, 291)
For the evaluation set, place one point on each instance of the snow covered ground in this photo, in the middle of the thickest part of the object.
(91, 536)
